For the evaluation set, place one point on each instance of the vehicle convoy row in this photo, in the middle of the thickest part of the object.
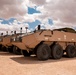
(44, 44)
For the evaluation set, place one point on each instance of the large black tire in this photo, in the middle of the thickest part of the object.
(25, 53)
(43, 52)
(75, 53)
(4, 49)
(0, 47)
(10, 49)
(70, 51)
(75, 50)
(16, 50)
(57, 51)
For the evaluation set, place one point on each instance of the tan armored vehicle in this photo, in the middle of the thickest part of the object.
(46, 43)
(12, 48)
(6, 45)
(4, 40)
(1, 39)
(2, 46)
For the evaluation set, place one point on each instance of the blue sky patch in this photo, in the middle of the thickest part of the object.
(4, 21)
(31, 24)
(7, 21)
(32, 10)
(34, 24)
(50, 21)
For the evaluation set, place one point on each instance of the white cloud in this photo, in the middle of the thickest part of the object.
(1, 21)
(63, 10)
(13, 27)
(12, 8)
(38, 2)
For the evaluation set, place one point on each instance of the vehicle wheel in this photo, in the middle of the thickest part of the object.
(25, 53)
(0, 47)
(70, 51)
(10, 49)
(57, 51)
(4, 49)
(16, 50)
(75, 53)
(75, 50)
(43, 52)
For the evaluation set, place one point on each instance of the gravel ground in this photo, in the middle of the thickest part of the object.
(11, 64)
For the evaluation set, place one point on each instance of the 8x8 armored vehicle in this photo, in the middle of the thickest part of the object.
(47, 43)
(6, 44)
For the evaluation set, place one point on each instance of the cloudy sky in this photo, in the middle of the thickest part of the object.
(50, 14)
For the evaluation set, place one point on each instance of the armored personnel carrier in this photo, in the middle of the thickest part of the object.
(6, 45)
(47, 43)
(4, 41)
(1, 39)
(13, 48)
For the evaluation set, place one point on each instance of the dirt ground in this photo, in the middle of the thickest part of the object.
(11, 64)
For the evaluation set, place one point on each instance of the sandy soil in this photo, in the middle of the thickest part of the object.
(11, 64)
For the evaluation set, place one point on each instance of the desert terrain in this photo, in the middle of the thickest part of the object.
(11, 64)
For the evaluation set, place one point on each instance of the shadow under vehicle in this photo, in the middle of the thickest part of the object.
(47, 44)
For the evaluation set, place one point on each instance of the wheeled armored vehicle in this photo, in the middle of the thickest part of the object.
(47, 43)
